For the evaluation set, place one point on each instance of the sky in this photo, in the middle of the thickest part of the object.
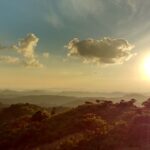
(90, 45)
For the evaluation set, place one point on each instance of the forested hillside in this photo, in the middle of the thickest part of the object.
(102, 125)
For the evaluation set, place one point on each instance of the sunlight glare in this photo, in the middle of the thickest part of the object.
(146, 67)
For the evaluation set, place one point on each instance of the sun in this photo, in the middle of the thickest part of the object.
(146, 67)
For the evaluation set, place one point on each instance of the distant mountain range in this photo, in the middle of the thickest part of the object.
(66, 98)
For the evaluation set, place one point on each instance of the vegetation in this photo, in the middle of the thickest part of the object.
(102, 125)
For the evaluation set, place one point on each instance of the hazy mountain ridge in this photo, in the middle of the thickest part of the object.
(68, 98)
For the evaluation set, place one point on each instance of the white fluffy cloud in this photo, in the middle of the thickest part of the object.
(104, 51)
(25, 52)
(26, 47)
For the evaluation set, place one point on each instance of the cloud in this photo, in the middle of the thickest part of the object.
(9, 60)
(134, 4)
(2, 47)
(46, 55)
(81, 8)
(24, 52)
(71, 10)
(104, 51)
(26, 48)
(54, 20)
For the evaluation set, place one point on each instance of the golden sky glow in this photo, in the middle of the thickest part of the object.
(71, 44)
